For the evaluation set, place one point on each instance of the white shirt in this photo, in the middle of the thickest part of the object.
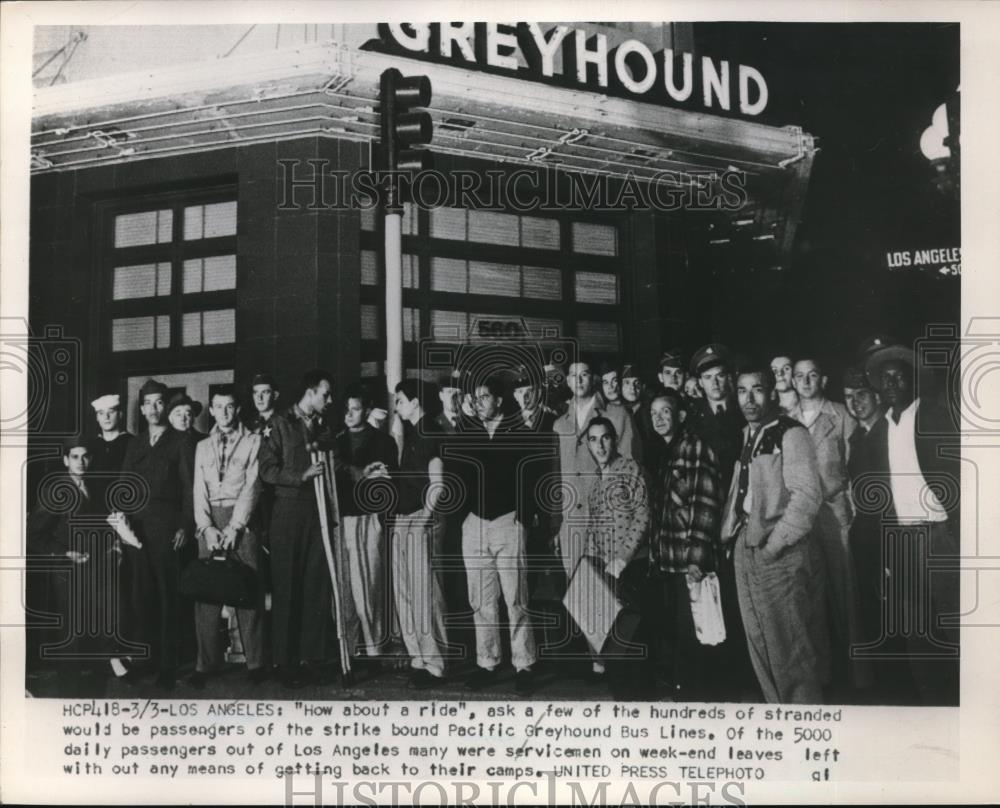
(748, 499)
(809, 416)
(583, 414)
(913, 500)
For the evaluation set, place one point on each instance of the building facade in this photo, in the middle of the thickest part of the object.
(188, 221)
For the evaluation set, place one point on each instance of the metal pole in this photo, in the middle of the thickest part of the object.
(393, 302)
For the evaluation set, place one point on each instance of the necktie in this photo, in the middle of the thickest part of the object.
(744, 483)
(720, 410)
(223, 439)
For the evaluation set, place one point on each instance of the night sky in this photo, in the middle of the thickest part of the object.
(867, 92)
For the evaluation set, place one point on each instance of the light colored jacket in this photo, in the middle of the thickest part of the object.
(831, 434)
(785, 489)
(576, 464)
(239, 486)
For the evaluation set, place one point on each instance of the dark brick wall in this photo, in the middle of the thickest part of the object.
(298, 269)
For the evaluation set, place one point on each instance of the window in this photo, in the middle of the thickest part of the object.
(172, 275)
(557, 274)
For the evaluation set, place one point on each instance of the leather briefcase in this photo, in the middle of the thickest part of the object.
(221, 579)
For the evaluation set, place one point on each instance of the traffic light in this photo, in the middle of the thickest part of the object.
(403, 124)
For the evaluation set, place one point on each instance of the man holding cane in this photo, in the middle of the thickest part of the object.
(303, 640)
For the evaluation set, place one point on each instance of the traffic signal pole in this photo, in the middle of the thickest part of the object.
(401, 126)
(393, 301)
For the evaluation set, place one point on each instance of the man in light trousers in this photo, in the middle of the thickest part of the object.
(226, 488)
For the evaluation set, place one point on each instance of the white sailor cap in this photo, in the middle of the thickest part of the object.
(105, 402)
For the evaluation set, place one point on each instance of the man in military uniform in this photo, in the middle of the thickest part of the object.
(265, 394)
(670, 372)
(107, 451)
(717, 420)
(717, 417)
(164, 459)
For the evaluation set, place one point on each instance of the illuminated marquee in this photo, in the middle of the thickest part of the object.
(630, 69)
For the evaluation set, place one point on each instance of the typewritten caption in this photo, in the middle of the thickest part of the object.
(469, 740)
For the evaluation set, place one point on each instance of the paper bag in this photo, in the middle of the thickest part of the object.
(706, 610)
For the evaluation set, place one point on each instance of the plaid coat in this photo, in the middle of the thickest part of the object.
(687, 506)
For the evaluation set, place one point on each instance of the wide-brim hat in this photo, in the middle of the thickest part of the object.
(181, 399)
(873, 365)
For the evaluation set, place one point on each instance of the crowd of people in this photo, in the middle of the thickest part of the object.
(582, 517)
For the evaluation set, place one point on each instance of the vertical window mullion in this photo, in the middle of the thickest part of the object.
(177, 280)
(568, 276)
(424, 270)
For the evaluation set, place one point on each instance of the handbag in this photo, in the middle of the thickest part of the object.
(221, 579)
(706, 610)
